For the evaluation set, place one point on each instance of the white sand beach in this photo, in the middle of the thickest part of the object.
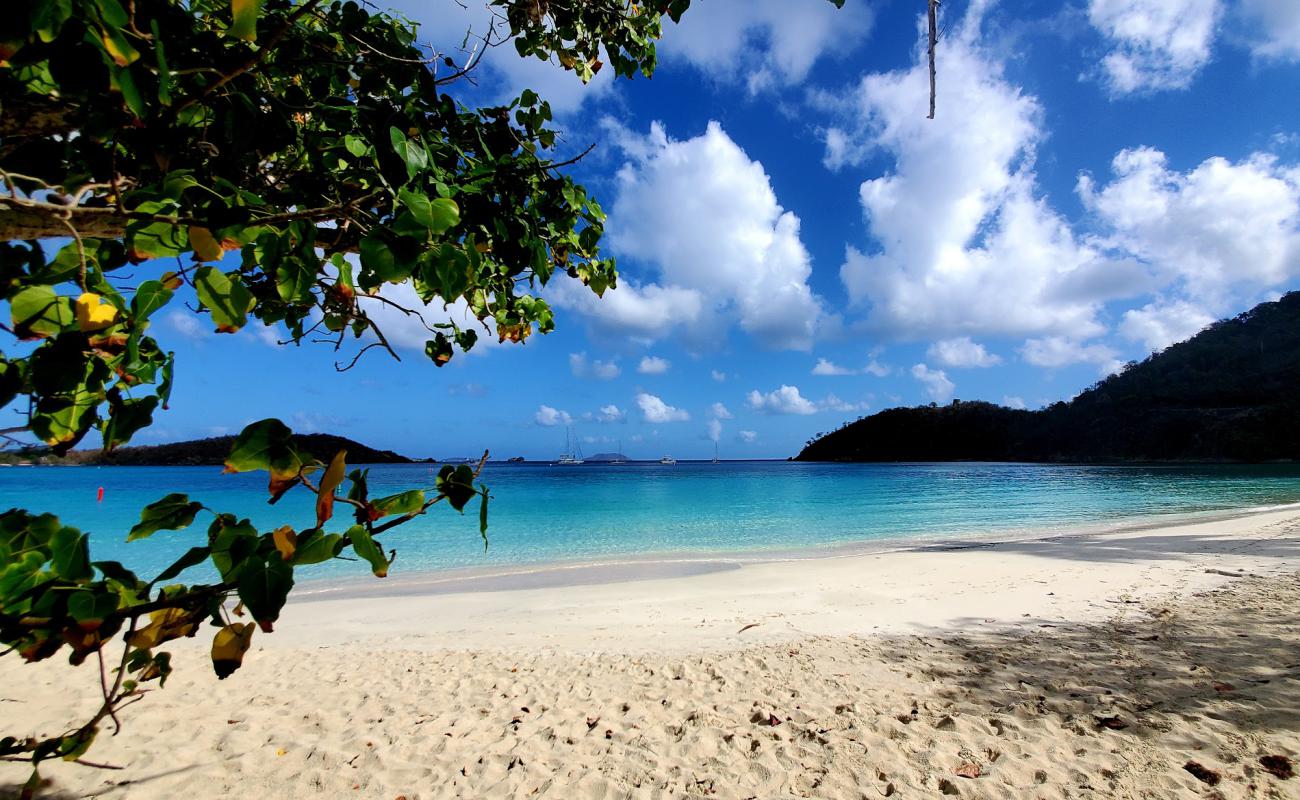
(1086, 665)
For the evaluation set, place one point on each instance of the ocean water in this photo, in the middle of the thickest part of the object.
(591, 513)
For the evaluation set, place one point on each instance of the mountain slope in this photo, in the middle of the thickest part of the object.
(322, 446)
(1230, 393)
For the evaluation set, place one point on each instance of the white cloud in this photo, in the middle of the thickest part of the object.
(734, 254)
(411, 331)
(600, 370)
(765, 43)
(1277, 28)
(715, 430)
(611, 413)
(720, 377)
(1158, 326)
(962, 352)
(551, 417)
(719, 411)
(936, 383)
(655, 410)
(1011, 401)
(962, 243)
(825, 367)
(748, 437)
(785, 400)
(874, 367)
(1158, 44)
(653, 365)
(187, 325)
(1215, 237)
(833, 403)
(1058, 351)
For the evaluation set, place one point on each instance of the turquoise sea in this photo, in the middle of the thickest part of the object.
(591, 513)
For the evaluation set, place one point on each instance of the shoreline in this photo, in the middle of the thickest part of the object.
(1090, 665)
(622, 568)
(1010, 584)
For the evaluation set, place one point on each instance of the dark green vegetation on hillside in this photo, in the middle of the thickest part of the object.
(1230, 393)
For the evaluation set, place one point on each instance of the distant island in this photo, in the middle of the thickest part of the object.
(608, 457)
(1230, 393)
(203, 452)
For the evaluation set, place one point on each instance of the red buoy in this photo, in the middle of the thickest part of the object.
(99, 496)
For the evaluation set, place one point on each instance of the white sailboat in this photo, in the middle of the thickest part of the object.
(716, 460)
(569, 456)
(667, 460)
(620, 459)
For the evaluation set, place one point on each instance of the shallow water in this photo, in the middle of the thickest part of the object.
(543, 513)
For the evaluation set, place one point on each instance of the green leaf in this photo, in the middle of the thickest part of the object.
(70, 555)
(38, 312)
(315, 547)
(193, 557)
(267, 445)
(356, 145)
(89, 608)
(149, 297)
(127, 417)
(244, 15)
(412, 153)
(365, 546)
(263, 588)
(225, 296)
(438, 215)
(483, 517)
(233, 544)
(173, 512)
(457, 485)
(404, 503)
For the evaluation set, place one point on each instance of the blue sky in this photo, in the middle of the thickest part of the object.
(799, 246)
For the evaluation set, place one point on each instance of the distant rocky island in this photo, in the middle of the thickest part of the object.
(1229, 394)
(607, 457)
(203, 452)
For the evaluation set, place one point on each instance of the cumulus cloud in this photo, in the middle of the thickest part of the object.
(962, 243)
(785, 400)
(962, 352)
(653, 365)
(833, 403)
(1058, 351)
(1158, 326)
(611, 413)
(720, 377)
(825, 367)
(1276, 28)
(600, 370)
(187, 325)
(735, 255)
(764, 43)
(1011, 401)
(655, 410)
(874, 367)
(1157, 44)
(715, 430)
(748, 437)
(719, 411)
(936, 383)
(551, 417)
(1215, 237)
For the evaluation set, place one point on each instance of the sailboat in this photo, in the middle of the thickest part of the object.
(620, 459)
(667, 460)
(716, 460)
(568, 457)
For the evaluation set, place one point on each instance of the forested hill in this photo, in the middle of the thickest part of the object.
(322, 446)
(1230, 393)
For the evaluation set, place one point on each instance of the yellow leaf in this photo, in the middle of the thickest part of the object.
(244, 14)
(171, 280)
(93, 314)
(286, 541)
(204, 245)
(279, 751)
(330, 481)
(165, 625)
(229, 646)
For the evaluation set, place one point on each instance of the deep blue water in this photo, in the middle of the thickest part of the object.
(542, 513)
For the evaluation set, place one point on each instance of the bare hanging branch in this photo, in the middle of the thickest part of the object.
(934, 41)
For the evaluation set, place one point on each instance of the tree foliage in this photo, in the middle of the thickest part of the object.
(290, 159)
(1226, 394)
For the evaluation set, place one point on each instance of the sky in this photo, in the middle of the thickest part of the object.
(798, 246)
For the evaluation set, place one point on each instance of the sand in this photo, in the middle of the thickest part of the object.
(1089, 665)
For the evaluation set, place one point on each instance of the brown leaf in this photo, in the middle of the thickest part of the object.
(286, 541)
(329, 482)
(1203, 774)
(229, 646)
(165, 625)
(205, 247)
(1279, 766)
(968, 769)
